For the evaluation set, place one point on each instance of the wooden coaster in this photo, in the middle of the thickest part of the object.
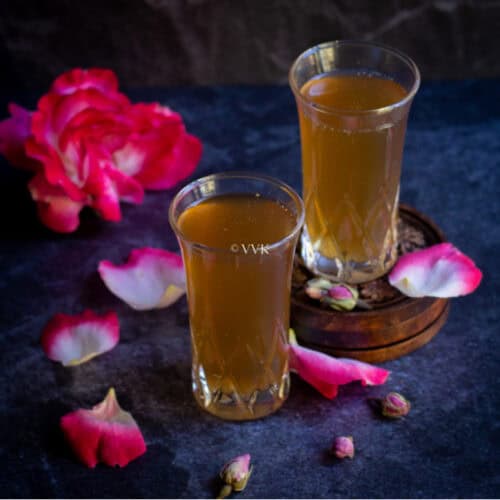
(394, 325)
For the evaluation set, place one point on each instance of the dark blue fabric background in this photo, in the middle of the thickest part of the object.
(447, 447)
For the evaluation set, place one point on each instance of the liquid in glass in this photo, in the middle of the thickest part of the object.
(239, 301)
(351, 173)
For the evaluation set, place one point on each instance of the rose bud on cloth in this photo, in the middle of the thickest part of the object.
(73, 340)
(343, 446)
(394, 405)
(235, 475)
(104, 434)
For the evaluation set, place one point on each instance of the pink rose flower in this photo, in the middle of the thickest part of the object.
(89, 146)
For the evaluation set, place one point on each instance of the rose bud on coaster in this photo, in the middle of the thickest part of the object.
(325, 373)
(437, 271)
(151, 278)
(104, 434)
(73, 340)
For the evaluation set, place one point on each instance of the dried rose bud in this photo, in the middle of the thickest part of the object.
(340, 292)
(339, 297)
(343, 447)
(235, 474)
(315, 293)
(395, 405)
(342, 297)
(322, 283)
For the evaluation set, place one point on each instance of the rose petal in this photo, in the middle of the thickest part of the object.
(73, 340)
(14, 132)
(438, 271)
(159, 153)
(108, 186)
(102, 79)
(104, 434)
(109, 129)
(55, 112)
(151, 278)
(177, 164)
(326, 373)
(56, 210)
(128, 189)
(54, 169)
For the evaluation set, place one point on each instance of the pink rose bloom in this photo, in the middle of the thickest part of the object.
(89, 146)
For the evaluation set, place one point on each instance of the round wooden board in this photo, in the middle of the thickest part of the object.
(392, 351)
(394, 326)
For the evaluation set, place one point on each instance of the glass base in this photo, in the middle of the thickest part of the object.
(234, 406)
(345, 271)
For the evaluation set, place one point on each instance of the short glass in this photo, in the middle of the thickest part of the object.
(353, 100)
(238, 233)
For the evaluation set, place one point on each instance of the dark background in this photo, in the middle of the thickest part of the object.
(172, 42)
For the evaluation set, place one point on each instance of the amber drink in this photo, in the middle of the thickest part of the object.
(238, 234)
(353, 100)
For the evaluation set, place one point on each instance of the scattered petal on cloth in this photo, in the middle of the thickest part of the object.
(437, 271)
(90, 146)
(325, 373)
(73, 340)
(104, 434)
(152, 278)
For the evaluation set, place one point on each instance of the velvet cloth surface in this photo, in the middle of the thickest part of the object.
(446, 447)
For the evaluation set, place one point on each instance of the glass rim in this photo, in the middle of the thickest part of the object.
(330, 109)
(237, 174)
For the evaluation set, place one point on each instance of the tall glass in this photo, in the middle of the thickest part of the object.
(353, 100)
(238, 233)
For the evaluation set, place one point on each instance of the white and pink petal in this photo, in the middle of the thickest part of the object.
(72, 340)
(151, 278)
(174, 165)
(75, 79)
(325, 373)
(55, 209)
(104, 434)
(437, 271)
